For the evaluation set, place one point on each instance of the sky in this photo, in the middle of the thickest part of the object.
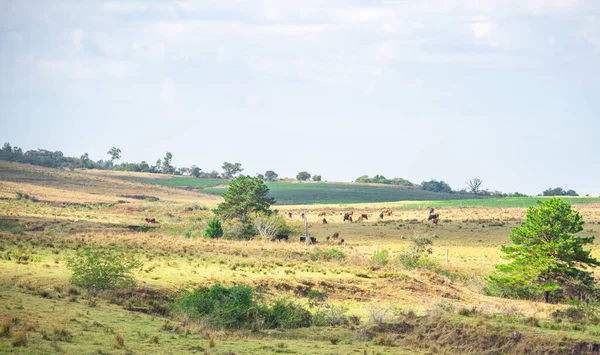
(507, 91)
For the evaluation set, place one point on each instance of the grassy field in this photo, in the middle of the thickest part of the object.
(179, 181)
(395, 309)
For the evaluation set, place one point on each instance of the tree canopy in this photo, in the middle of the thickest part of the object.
(244, 195)
(559, 191)
(303, 176)
(547, 256)
(230, 170)
(436, 186)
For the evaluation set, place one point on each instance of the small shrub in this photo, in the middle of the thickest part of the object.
(285, 314)
(99, 269)
(20, 338)
(154, 339)
(334, 340)
(5, 325)
(211, 341)
(385, 340)
(317, 298)
(62, 333)
(220, 306)
(418, 250)
(214, 229)
(380, 258)
(119, 341)
(331, 316)
(327, 254)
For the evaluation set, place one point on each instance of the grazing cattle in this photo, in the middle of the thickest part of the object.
(434, 218)
(321, 214)
(151, 220)
(281, 237)
(350, 219)
(350, 213)
(324, 221)
(387, 212)
(346, 217)
(290, 214)
(336, 235)
(364, 215)
(360, 219)
(381, 215)
(313, 240)
(342, 242)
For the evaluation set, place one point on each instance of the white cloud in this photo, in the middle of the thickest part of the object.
(252, 100)
(591, 31)
(77, 36)
(481, 30)
(124, 6)
(221, 56)
(167, 92)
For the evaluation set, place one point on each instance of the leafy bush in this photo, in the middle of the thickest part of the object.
(236, 308)
(237, 230)
(380, 258)
(582, 312)
(100, 269)
(317, 298)
(285, 314)
(220, 307)
(416, 253)
(328, 254)
(214, 229)
(270, 225)
(25, 196)
(331, 315)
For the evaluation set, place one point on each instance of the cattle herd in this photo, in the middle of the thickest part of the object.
(433, 217)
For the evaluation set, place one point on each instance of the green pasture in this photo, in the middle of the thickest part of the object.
(178, 181)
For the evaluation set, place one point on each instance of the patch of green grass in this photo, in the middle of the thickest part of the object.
(178, 181)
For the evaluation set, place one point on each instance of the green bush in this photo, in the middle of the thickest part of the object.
(101, 269)
(380, 258)
(416, 254)
(331, 315)
(236, 308)
(214, 229)
(328, 254)
(221, 307)
(285, 314)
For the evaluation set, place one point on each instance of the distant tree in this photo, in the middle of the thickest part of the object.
(559, 191)
(316, 177)
(270, 175)
(214, 229)
(474, 185)
(196, 171)
(167, 168)
(401, 182)
(213, 175)
(157, 168)
(230, 170)
(302, 176)
(260, 176)
(363, 179)
(244, 195)
(85, 162)
(144, 166)
(115, 154)
(436, 186)
(517, 194)
(547, 256)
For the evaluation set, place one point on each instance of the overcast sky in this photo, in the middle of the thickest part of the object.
(504, 90)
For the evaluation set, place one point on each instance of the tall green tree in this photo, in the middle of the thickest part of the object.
(230, 170)
(270, 175)
(244, 195)
(546, 256)
(115, 154)
(167, 168)
(303, 176)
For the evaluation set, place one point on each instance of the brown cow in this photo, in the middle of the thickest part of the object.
(360, 218)
(290, 214)
(350, 213)
(350, 219)
(321, 214)
(336, 235)
(364, 215)
(435, 218)
(151, 220)
(324, 220)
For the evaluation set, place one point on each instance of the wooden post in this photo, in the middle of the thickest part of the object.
(377, 249)
(306, 239)
(446, 255)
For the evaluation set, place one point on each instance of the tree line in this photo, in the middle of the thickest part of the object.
(56, 159)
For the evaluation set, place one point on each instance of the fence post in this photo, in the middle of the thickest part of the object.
(446, 255)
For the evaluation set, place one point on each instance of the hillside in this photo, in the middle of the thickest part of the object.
(375, 304)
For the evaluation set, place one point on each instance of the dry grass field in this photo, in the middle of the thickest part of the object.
(444, 305)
